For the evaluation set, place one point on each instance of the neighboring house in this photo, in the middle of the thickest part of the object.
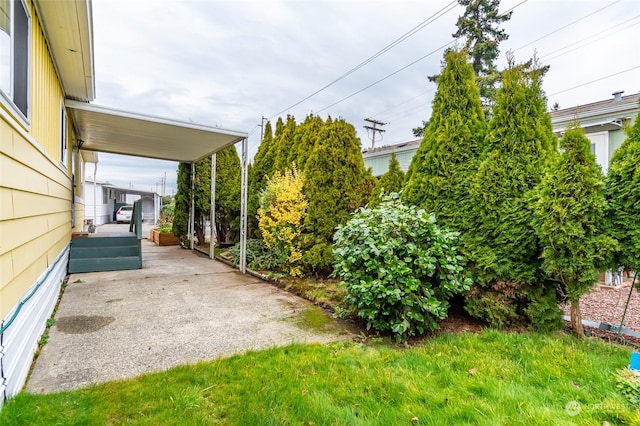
(378, 158)
(603, 123)
(110, 197)
(46, 56)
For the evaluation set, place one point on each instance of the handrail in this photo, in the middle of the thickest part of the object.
(136, 219)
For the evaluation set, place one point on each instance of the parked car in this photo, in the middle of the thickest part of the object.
(124, 214)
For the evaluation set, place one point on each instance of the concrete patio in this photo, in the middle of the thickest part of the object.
(180, 308)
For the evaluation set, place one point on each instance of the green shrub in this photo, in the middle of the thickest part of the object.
(164, 227)
(399, 267)
(282, 210)
(259, 256)
(628, 383)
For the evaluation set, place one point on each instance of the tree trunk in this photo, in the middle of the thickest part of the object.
(576, 318)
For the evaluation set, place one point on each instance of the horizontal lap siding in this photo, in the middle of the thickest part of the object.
(35, 192)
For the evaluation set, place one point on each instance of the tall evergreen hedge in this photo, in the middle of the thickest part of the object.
(509, 286)
(569, 219)
(623, 196)
(441, 172)
(336, 183)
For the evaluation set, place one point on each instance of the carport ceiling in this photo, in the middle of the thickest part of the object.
(118, 132)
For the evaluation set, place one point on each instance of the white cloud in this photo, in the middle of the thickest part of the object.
(229, 63)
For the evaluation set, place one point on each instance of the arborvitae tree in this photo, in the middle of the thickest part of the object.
(202, 197)
(304, 140)
(228, 175)
(227, 196)
(569, 219)
(391, 181)
(284, 144)
(623, 196)
(503, 245)
(440, 173)
(480, 27)
(261, 168)
(334, 176)
(182, 201)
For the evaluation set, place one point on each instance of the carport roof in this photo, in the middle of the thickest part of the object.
(113, 131)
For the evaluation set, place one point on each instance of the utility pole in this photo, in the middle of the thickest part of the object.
(262, 128)
(374, 129)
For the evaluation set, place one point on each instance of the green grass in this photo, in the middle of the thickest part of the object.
(515, 379)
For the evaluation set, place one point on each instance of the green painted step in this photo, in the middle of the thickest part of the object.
(109, 241)
(104, 251)
(104, 264)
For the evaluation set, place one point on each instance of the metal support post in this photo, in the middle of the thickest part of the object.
(212, 222)
(243, 210)
(192, 210)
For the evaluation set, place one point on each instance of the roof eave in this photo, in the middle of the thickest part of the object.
(68, 29)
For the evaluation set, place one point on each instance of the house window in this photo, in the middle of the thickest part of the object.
(14, 54)
(64, 136)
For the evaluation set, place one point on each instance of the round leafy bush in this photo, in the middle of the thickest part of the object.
(399, 267)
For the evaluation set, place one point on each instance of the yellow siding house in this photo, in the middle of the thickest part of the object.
(46, 56)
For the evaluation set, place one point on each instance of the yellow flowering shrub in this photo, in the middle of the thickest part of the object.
(282, 210)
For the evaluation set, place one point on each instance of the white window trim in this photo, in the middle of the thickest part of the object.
(7, 98)
(604, 145)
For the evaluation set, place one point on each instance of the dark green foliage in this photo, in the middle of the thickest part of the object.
(228, 171)
(227, 196)
(391, 181)
(182, 201)
(304, 140)
(399, 267)
(418, 132)
(440, 174)
(569, 217)
(262, 166)
(623, 196)
(503, 245)
(336, 183)
(259, 256)
(284, 145)
(479, 27)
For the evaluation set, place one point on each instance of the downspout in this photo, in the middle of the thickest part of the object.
(95, 199)
(212, 216)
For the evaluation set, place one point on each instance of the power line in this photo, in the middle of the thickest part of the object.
(544, 36)
(390, 75)
(594, 81)
(591, 41)
(567, 25)
(385, 49)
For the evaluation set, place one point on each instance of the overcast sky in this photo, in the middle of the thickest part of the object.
(231, 62)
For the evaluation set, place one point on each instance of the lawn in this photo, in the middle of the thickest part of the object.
(489, 378)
